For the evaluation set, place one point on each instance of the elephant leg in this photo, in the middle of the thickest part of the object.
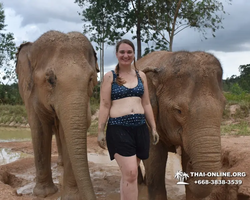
(70, 190)
(155, 168)
(41, 139)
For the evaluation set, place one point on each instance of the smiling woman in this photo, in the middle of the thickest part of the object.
(125, 101)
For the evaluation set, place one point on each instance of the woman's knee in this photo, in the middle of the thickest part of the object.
(130, 175)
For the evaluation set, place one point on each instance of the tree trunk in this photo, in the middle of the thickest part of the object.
(138, 31)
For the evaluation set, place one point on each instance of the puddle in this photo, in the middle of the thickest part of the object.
(7, 156)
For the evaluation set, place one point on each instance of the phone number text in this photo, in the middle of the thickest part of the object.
(218, 182)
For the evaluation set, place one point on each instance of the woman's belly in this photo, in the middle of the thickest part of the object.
(126, 106)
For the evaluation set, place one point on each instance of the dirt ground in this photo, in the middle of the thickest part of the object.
(17, 178)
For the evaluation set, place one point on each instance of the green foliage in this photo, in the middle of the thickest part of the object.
(237, 90)
(237, 98)
(7, 51)
(95, 99)
(9, 94)
(242, 81)
(167, 18)
(240, 128)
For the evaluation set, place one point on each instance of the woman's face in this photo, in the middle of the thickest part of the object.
(125, 55)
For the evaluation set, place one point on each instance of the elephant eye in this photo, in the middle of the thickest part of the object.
(177, 110)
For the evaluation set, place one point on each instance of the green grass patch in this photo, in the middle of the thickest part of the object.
(237, 128)
(237, 98)
(94, 105)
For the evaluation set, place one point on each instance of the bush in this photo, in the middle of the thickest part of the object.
(237, 90)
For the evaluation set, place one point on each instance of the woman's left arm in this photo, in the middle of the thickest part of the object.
(148, 108)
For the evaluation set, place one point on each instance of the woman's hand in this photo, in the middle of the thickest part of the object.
(101, 140)
(155, 137)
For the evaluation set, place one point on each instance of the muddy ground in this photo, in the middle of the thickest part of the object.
(17, 178)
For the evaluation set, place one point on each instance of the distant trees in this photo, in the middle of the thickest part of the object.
(7, 50)
(9, 94)
(239, 83)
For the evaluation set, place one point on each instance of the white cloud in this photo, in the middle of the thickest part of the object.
(231, 61)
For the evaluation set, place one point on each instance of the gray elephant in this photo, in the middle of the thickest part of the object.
(188, 102)
(56, 77)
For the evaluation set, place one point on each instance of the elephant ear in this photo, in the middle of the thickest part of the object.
(24, 70)
(154, 87)
(93, 79)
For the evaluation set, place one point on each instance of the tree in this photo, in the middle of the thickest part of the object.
(244, 78)
(111, 20)
(150, 20)
(98, 20)
(167, 18)
(239, 83)
(9, 94)
(7, 50)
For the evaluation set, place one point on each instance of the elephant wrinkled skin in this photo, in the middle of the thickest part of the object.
(56, 77)
(186, 96)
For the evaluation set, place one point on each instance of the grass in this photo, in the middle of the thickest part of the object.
(236, 99)
(94, 104)
(13, 113)
(237, 128)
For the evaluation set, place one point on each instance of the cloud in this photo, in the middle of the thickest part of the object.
(32, 31)
(231, 61)
(41, 12)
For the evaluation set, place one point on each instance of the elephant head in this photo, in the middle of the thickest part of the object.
(186, 96)
(56, 77)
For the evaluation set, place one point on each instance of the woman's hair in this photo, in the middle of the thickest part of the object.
(119, 80)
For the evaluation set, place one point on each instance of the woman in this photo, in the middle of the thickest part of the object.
(125, 100)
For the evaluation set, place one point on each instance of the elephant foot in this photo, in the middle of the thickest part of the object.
(42, 190)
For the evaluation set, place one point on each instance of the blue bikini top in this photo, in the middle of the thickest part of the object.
(120, 91)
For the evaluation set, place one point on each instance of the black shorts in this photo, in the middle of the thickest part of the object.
(128, 140)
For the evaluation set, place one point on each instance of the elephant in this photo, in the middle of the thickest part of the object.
(56, 76)
(186, 95)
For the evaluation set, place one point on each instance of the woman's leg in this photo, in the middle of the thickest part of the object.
(129, 170)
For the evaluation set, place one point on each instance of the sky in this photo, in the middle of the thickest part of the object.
(29, 19)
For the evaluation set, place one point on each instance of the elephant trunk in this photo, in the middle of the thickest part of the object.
(204, 153)
(74, 116)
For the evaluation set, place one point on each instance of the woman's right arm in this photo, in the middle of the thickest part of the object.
(105, 105)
